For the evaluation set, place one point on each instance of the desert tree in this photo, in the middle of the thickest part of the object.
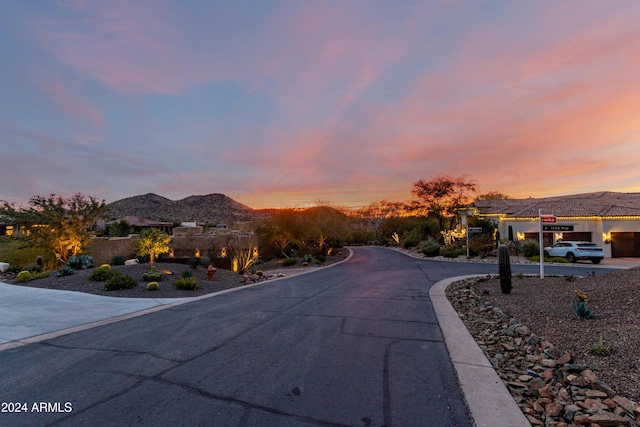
(57, 223)
(152, 242)
(443, 197)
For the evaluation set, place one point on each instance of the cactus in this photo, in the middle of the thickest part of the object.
(80, 262)
(24, 276)
(39, 261)
(65, 271)
(152, 286)
(504, 267)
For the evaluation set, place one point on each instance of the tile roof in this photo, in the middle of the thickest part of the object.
(604, 203)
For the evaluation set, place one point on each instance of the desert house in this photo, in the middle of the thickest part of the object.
(610, 219)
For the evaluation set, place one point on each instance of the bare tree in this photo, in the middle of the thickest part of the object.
(443, 196)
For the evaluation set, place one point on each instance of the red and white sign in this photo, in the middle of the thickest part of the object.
(548, 218)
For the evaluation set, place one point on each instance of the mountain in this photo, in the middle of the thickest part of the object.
(209, 209)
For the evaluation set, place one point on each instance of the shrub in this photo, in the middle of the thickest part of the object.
(119, 280)
(187, 283)
(186, 274)
(307, 258)
(32, 268)
(117, 260)
(101, 274)
(481, 245)
(142, 259)
(601, 348)
(152, 276)
(24, 276)
(530, 248)
(287, 262)
(65, 271)
(321, 258)
(431, 248)
(450, 251)
(152, 286)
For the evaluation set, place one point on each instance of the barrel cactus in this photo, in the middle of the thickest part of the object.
(504, 268)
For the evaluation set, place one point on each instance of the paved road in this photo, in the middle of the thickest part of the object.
(354, 345)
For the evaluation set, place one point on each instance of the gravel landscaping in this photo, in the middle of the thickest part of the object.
(223, 279)
(558, 367)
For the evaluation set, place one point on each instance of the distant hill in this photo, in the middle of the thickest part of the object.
(209, 209)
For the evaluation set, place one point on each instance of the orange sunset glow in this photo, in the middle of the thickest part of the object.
(285, 104)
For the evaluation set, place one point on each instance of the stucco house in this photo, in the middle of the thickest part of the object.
(610, 219)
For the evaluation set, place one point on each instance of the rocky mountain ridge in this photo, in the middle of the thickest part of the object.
(204, 209)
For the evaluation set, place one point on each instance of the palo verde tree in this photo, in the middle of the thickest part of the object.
(443, 197)
(57, 223)
(152, 242)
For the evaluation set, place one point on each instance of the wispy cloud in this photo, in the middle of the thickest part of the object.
(335, 100)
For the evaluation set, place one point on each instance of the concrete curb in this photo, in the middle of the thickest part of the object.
(488, 399)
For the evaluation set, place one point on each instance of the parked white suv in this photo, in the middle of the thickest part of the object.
(574, 251)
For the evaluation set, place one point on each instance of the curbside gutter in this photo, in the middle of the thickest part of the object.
(488, 399)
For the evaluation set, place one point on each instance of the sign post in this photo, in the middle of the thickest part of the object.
(546, 219)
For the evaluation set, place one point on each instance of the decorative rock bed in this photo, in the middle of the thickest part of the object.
(550, 389)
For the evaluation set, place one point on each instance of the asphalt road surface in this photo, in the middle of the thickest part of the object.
(357, 344)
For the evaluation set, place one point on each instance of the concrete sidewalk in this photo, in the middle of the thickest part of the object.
(31, 312)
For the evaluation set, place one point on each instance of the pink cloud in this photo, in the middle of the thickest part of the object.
(73, 105)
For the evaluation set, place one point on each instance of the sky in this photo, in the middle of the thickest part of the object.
(285, 103)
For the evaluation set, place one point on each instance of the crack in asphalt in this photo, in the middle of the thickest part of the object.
(248, 406)
(105, 350)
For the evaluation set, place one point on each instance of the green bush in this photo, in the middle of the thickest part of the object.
(101, 274)
(119, 280)
(117, 260)
(481, 245)
(287, 262)
(186, 274)
(530, 248)
(431, 248)
(152, 276)
(15, 253)
(26, 276)
(187, 283)
(450, 251)
(32, 267)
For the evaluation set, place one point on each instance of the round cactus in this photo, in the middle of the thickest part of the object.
(152, 286)
(104, 266)
(24, 276)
